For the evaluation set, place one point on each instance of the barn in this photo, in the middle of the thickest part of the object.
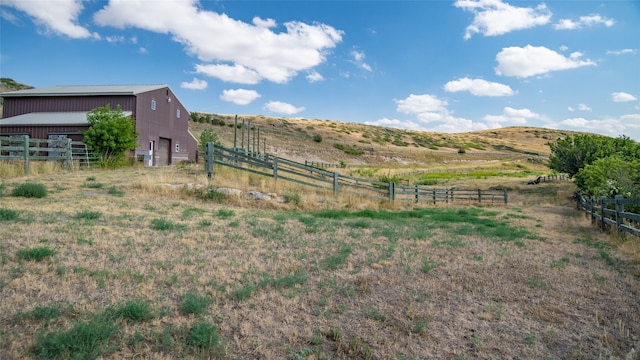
(60, 112)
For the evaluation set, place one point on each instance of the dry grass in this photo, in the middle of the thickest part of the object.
(531, 280)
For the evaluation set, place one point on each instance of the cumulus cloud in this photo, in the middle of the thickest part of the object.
(314, 76)
(282, 108)
(530, 60)
(622, 97)
(229, 49)
(55, 16)
(514, 116)
(478, 87)
(433, 115)
(239, 96)
(584, 107)
(590, 20)
(195, 84)
(495, 17)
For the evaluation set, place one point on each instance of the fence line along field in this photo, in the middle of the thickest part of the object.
(158, 263)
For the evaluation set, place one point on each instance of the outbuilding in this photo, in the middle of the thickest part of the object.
(61, 112)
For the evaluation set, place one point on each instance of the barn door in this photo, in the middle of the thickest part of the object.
(164, 152)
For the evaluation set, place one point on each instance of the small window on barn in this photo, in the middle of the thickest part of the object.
(153, 104)
(178, 113)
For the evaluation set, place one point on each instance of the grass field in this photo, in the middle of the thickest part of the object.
(136, 263)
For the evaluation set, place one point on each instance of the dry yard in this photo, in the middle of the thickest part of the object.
(118, 264)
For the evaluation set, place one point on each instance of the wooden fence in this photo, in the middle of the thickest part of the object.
(28, 149)
(607, 212)
(278, 168)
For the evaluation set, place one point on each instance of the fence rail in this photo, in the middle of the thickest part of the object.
(28, 149)
(607, 212)
(279, 168)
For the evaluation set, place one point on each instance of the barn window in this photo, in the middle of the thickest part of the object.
(153, 104)
(178, 113)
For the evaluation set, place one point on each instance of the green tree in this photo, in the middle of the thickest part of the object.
(572, 153)
(208, 136)
(111, 133)
(610, 176)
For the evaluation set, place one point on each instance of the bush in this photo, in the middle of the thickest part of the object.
(317, 138)
(8, 215)
(30, 190)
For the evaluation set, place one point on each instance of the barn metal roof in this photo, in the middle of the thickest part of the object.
(50, 118)
(85, 90)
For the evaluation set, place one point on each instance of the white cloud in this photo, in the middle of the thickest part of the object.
(514, 116)
(230, 49)
(584, 107)
(314, 76)
(416, 104)
(479, 87)
(358, 59)
(433, 115)
(622, 97)
(395, 123)
(55, 16)
(282, 108)
(590, 20)
(239, 96)
(628, 125)
(237, 74)
(535, 60)
(114, 39)
(143, 50)
(622, 52)
(494, 17)
(195, 84)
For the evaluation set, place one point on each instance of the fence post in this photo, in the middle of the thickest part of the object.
(434, 196)
(592, 209)
(619, 209)
(446, 196)
(69, 154)
(392, 191)
(505, 195)
(479, 196)
(602, 215)
(275, 168)
(335, 184)
(451, 192)
(208, 159)
(417, 191)
(26, 154)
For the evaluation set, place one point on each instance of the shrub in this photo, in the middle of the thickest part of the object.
(292, 197)
(30, 190)
(317, 138)
(35, 254)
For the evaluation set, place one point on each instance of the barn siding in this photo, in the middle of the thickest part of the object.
(14, 106)
(42, 132)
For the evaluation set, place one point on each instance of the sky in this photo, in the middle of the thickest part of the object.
(445, 66)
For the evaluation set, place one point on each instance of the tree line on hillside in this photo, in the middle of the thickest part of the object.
(600, 165)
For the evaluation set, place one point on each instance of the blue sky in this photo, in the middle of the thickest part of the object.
(447, 66)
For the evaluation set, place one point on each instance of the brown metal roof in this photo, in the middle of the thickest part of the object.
(85, 90)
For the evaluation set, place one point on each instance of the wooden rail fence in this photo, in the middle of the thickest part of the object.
(607, 212)
(28, 149)
(287, 170)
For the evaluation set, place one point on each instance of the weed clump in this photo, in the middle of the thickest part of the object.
(30, 190)
(35, 254)
(8, 215)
